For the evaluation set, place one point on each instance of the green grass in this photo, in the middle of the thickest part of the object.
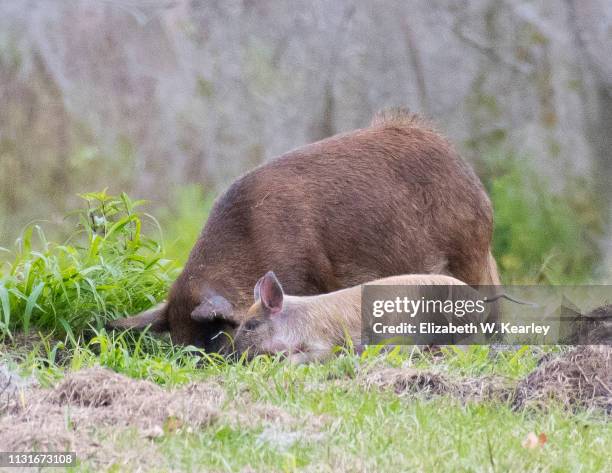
(383, 433)
(541, 235)
(361, 429)
(376, 432)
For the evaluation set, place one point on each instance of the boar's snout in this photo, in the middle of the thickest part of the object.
(214, 336)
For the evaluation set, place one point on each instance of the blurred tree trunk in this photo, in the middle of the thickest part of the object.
(592, 24)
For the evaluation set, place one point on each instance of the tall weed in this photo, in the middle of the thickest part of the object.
(108, 268)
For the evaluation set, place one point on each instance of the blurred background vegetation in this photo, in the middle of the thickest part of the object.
(169, 101)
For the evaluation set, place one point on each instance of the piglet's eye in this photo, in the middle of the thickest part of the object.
(252, 324)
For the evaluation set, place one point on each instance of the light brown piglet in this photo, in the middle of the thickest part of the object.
(307, 328)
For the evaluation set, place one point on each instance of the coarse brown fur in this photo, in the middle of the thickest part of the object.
(393, 198)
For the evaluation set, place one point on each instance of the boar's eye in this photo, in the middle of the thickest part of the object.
(252, 324)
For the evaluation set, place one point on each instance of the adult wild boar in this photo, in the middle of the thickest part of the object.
(393, 198)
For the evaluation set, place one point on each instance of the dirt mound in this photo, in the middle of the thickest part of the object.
(409, 380)
(581, 378)
(108, 418)
(98, 387)
(428, 383)
(119, 400)
(95, 402)
(40, 436)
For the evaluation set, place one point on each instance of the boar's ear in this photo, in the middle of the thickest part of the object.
(270, 292)
(156, 318)
(215, 307)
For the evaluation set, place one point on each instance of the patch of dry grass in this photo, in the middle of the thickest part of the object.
(581, 378)
(96, 403)
(410, 381)
(89, 410)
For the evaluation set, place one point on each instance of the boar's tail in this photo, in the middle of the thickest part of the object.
(156, 319)
(510, 298)
(490, 275)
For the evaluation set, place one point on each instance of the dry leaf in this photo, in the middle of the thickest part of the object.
(172, 424)
(534, 441)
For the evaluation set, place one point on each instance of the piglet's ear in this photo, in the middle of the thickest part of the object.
(256, 289)
(269, 290)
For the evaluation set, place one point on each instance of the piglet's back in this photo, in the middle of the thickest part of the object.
(417, 280)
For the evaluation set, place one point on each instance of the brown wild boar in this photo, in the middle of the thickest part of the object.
(392, 198)
(307, 328)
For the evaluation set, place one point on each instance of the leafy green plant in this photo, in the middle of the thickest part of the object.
(540, 235)
(106, 269)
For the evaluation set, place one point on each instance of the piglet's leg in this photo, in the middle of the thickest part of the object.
(311, 355)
